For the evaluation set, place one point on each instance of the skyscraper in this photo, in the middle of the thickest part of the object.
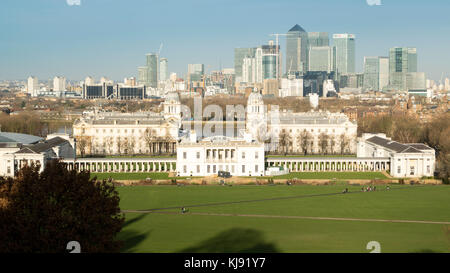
(239, 55)
(59, 84)
(318, 39)
(33, 86)
(142, 75)
(322, 58)
(296, 50)
(402, 60)
(376, 73)
(345, 53)
(152, 70)
(195, 72)
(164, 70)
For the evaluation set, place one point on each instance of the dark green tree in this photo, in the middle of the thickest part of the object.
(42, 212)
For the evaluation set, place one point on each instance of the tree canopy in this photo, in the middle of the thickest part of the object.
(42, 212)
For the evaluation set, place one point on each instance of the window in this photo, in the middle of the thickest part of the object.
(214, 169)
(428, 169)
(256, 168)
(256, 155)
(208, 169)
(9, 170)
(198, 168)
(412, 171)
(243, 168)
(399, 170)
(198, 155)
(184, 155)
(184, 168)
(243, 155)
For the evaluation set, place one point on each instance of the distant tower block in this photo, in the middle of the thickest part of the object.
(314, 100)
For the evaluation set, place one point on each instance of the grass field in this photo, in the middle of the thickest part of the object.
(136, 176)
(275, 219)
(332, 175)
(130, 176)
(302, 175)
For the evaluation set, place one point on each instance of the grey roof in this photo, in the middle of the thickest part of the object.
(394, 145)
(420, 146)
(297, 28)
(42, 146)
(19, 138)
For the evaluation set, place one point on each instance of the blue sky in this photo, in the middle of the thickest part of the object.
(111, 37)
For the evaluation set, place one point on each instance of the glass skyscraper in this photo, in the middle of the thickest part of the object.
(376, 73)
(164, 70)
(318, 39)
(402, 60)
(296, 50)
(322, 58)
(152, 70)
(239, 55)
(345, 53)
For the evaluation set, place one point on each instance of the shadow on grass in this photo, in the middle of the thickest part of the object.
(131, 238)
(235, 240)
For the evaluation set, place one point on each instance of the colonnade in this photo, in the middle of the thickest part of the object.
(331, 164)
(122, 165)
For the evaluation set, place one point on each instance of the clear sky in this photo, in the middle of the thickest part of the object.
(110, 38)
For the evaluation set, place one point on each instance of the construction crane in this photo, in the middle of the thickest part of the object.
(277, 49)
(160, 48)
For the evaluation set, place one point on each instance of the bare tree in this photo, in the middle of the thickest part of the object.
(131, 144)
(303, 141)
(284, 140)
(82, 144)
(109, 144)
(149, 137)
(119, 145)
(344, 143)
(333, 143)
(323, 142)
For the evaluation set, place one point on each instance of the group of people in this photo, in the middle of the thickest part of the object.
(369, 188)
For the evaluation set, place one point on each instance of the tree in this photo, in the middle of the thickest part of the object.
(42, 212)
(149, 138)
(333, 143)
(303, 141)
(323, 142)
(83, 144)
(284, 140)
(344, 142)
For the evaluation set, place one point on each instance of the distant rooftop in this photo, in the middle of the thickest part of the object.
(297, 28)
(19, 138)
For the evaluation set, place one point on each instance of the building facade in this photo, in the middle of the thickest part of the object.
(296, 50)
(345, 53)
(208, 156)
(406, 160)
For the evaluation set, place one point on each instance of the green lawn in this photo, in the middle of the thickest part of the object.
(275, 156)
(130, 176)
(332, 175)
(171, 231)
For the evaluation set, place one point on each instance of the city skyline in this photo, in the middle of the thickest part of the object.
(76, 48)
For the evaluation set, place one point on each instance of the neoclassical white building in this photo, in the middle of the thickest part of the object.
(406, 160)
(130, 133)
(266, 124)
(17, 153)
(208, 156)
